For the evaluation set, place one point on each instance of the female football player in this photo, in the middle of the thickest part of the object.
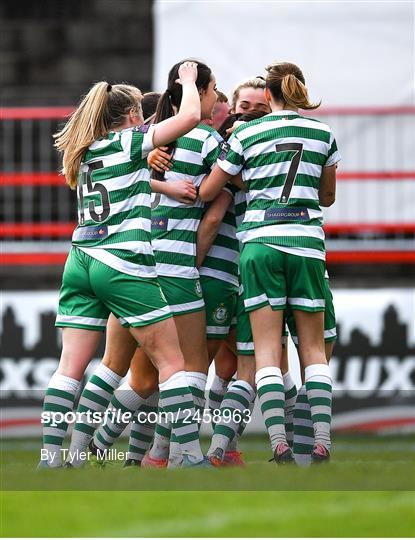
(288, 163)
(111, 265)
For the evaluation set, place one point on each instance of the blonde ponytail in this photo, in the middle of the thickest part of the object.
(286, 83)
(295, 93)
(103, 108)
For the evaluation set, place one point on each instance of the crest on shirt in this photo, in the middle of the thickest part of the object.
(224, 149)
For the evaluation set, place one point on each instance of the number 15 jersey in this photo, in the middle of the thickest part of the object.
(281, 156)
(114, 206)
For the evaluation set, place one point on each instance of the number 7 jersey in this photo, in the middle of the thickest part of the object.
(114, 209)
(281, 156)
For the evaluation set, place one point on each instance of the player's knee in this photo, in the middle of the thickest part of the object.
(117, 365)
(146, 386)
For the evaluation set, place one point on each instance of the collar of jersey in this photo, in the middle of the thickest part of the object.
(284, 113)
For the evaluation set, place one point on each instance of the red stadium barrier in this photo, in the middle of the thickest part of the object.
(38, 193)
(370, 257)
(36, 229)
(34, 113)
(385, 228)
(36, 259)
(333, 257)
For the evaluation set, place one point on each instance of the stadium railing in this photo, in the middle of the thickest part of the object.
(372, 222)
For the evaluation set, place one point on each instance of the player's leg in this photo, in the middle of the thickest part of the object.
(184, 296)
(130, 398)
(235, 410)
(239, 394)
(144, 381)
(232, 454)
(141, 306)
(191, 329)
(263, 278)
(99, 390)
(290, 392)
(220, 304)
(161, 343)
(223, 353)
(307, 300)
(83, 317)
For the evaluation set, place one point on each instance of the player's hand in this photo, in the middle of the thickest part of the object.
(159, 159)
(236, 124)
(183, 191)
(187, 73)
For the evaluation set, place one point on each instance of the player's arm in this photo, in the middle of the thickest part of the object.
(238, 182)
(182, 190)
(327, 189)
(209, 226)
(213, 183)
(188, 115)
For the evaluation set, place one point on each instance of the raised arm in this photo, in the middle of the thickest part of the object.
(327, 189)
(209, 226)
(188, 115)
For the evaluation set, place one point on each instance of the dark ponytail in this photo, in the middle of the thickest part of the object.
(173, 94)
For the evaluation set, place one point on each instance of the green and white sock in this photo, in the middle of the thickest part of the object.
(303, 429)
(290, 392)
(271, 397)
(176, 398)
(234, 442)
(175, 453)
(142, 428)
(215, 396)
(161, 443)
(95, 397)
(197, 385)
(124, 404)
(59, 398)
(318, 385)
(237, 399)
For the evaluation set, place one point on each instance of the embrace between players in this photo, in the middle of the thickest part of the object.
(195, 245)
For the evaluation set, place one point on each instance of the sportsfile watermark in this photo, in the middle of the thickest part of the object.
(118, 417)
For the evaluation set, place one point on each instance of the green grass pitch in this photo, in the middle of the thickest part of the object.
(367, 490)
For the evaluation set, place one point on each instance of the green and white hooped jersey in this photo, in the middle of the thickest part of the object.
(240, 206)
(114, 198)
(281, 156)
(175, 224)
(222, 260)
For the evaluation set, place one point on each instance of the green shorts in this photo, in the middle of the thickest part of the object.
(91, 290)
(183, 295)
(273, 277)
(330, 332)
(244, 338)
(220, 300)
